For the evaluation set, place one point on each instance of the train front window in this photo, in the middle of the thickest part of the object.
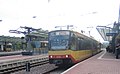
(59, 40)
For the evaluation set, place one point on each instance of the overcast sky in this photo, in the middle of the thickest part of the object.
(51, 13)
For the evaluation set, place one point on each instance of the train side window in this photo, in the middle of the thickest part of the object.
(80, 43)
(84, 44)
(73, 42)
(89, 44)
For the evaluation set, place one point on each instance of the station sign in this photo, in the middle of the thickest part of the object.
(110, 34)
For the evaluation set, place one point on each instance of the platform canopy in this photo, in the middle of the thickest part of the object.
(105, 32)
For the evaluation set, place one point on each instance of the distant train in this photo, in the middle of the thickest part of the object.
(41, 47)
(37, 47)
(8, 47)
(70, 47)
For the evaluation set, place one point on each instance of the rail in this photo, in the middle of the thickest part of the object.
(12, 66)
(10, 53)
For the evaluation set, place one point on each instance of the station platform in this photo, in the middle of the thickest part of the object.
(102, 63)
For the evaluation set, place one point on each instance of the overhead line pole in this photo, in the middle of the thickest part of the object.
(119, 15)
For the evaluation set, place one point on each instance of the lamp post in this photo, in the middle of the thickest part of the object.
(68, 26)
(59, 27)
(0, 20)
(1, 42)
(90, 30)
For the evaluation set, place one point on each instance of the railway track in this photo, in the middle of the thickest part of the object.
(42, 69)
(17, 65)
(10, 53)
(58, 70)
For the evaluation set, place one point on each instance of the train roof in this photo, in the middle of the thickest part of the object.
(58, 30)
(76, 33)
(83, 36)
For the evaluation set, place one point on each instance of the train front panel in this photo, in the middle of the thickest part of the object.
(58, 46)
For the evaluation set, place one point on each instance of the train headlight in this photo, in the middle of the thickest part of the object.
(51, 56)
(66, 56)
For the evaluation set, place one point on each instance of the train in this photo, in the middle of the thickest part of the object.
(37, 48)
(6, 47)
(70, 47)
(41, 47)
